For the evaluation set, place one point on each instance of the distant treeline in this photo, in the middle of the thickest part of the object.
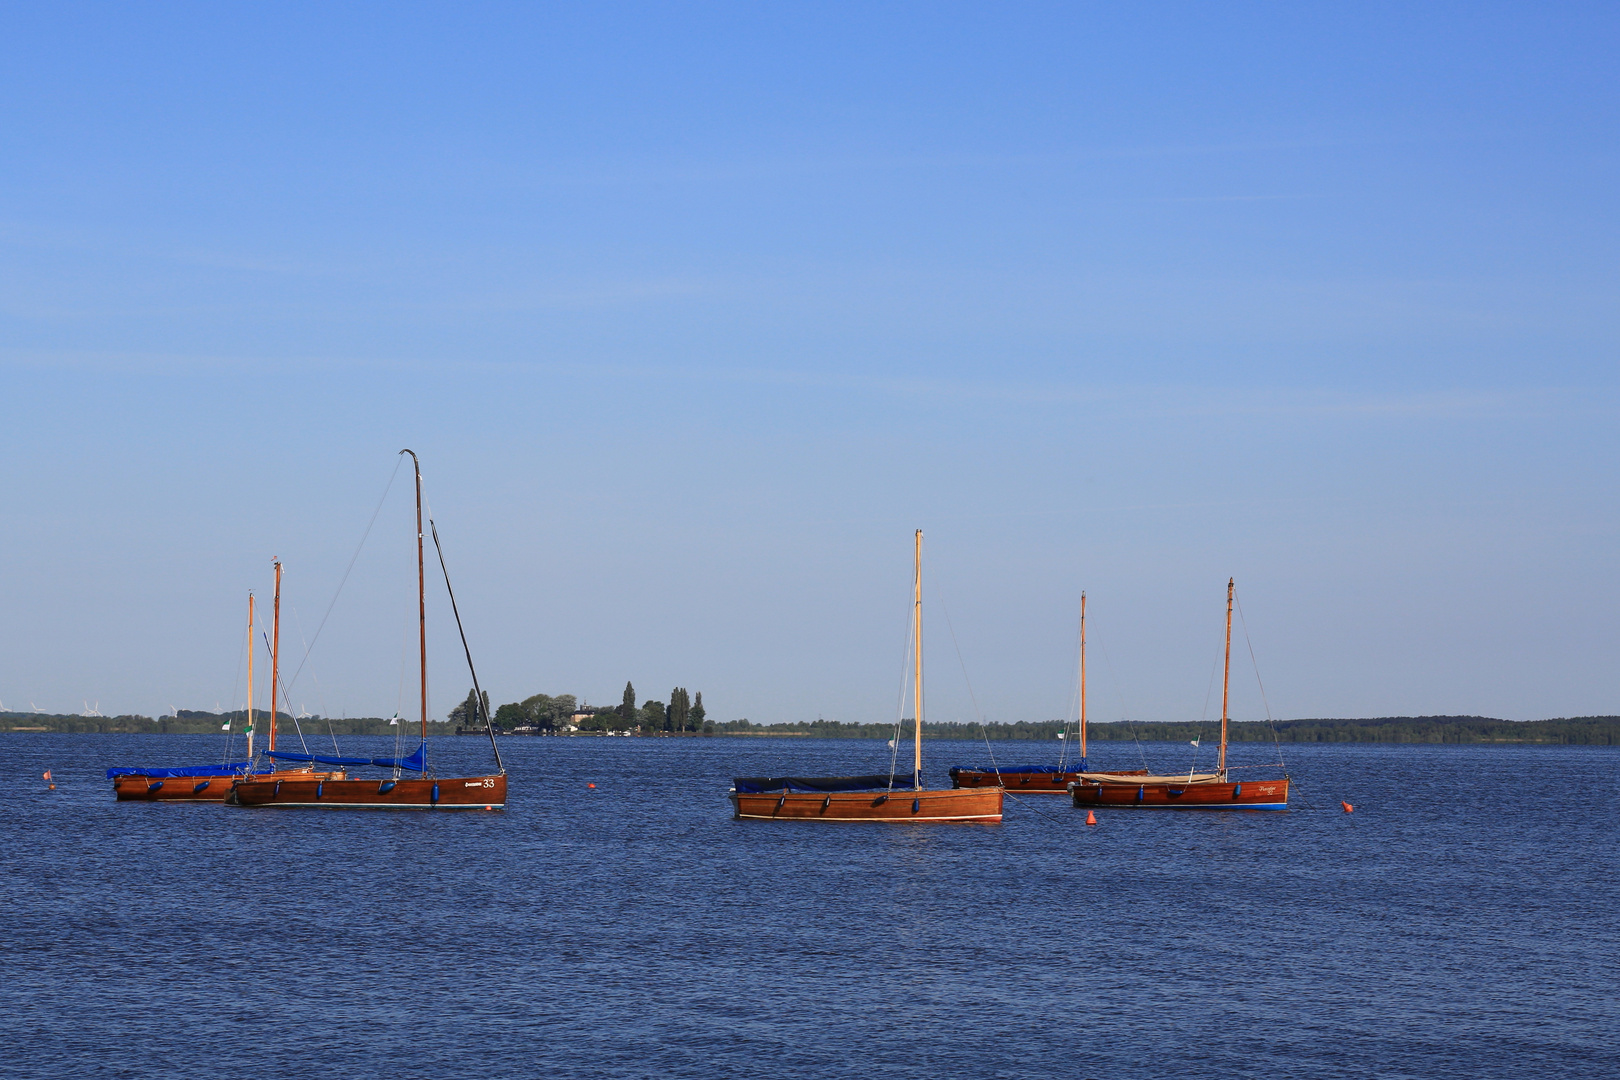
(189, 722)
(656, 716)
(1574, 731)
(683, 712)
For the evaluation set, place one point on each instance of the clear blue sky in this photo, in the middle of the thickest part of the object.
(695, 313)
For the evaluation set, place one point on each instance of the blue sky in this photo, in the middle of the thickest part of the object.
(694, 313)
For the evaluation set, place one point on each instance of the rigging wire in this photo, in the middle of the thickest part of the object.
(478, 693)
(983, 730)
(299, 728)
(320, 697)
(399, 706)
(1257, 680)
(236, 684)
(1072, 718)
(1124, 708)
(1276, 742)
(346, 571)
(1203, 717)
(900, 702)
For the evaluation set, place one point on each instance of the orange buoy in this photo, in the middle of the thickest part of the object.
(1347, 807)
(1091, 817)
(590, 785)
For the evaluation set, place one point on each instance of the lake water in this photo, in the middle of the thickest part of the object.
(1461, 923)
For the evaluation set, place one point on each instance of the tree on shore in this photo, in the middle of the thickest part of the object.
(652, 715)
(469, 713)
(538, 710)
(627, 707)
(697, 712)
(679, 712)
(550, 712)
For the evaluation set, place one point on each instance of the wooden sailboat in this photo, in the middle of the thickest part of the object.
(397, 791)
(1038, 779)
(212, 783)
(868, 798)
(1195, 791)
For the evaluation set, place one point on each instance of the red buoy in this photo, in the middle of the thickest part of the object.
(1347, 807)
(1091, 817)
(590, 785)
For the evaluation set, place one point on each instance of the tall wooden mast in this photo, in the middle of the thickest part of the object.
(252, 645)
(1082, 682)
(916, 634)
(421, 587)
(275, 654)
(1226, 677)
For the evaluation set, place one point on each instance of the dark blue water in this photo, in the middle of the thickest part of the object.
(1461, 923)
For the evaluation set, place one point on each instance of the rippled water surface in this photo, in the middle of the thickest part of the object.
(1462, 922)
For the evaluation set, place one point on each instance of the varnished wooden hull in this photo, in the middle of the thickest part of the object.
(445, 793)
(899, 806)
(1243, 795)
(1019, 783)
(184, 788)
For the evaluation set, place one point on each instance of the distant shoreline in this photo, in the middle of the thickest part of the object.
(1430, 730)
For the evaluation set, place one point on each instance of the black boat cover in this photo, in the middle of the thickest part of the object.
(753, 785)
(1052, 769)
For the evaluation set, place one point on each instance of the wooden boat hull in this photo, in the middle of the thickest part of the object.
(1242, 795)
(172, 788)
(444, 793)
(1019, 783)
(950, 804)
(136, 788)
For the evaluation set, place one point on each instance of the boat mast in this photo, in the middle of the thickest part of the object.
(916, 633)
(421, 587)
(1082, 682)
(275, 654)
(251, 646)
(1226, 678)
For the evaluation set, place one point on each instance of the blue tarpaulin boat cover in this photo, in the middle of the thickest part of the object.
(417, 762)
(754, 785)
(229, 768)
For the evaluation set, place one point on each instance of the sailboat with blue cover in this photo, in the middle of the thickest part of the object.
(213, 783)
(395, 791)
(874, 797)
